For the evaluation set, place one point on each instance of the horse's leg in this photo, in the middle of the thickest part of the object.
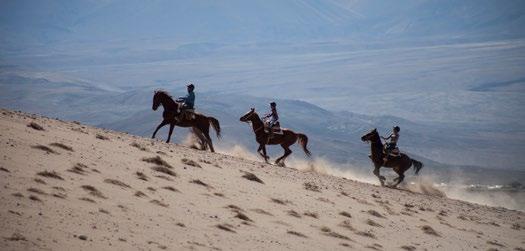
(287, 152)
(163, 123)
(172, 125)
(202, 141)
(263, 153)
(380, 177)
(210, 143)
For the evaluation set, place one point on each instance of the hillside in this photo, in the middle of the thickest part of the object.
(70, 186)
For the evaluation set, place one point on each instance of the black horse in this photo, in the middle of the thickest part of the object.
(399, 164)
(200, 123)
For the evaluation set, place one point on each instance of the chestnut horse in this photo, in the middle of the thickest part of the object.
(200, 123)
(286, 139)
(400, 164)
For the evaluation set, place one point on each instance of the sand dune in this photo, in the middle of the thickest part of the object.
(66, 186)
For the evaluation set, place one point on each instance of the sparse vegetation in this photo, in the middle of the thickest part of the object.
(199, 182)
(34, 198)
(87, 199)
(297, 234)
(36, 190)
(190, 162)
(243, 216)
(140, 194)
(50, 174)
(311, 187)
(345, 214)
(159, 203)
(157, 160)
(163, 169)
(62, 146)
(141, 176)
(35, 126)
(226, 227)
(170, 188)
(279, 201)
(311, 214)
(261, 211)
(375, 213)
(37, 180)
(252, 177)
(139, 146)
(78, 168)
(117, 183)
(373, 223)
(429, 230)
(93, 191)
(102, 137)
(293, 213)
(44, 148)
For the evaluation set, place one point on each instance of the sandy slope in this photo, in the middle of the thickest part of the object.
(102, 204)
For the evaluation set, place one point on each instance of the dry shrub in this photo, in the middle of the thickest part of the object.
(312, 187)
(139, 146)
(87, 199)
(35, 126)
(252, 177)
(44, 148)
(102, 137)
(312, 214)
(36, 190)
(117, 183)
(93, 191)
(190, 162)
(199, 182)
(78, 168)
(225, 227)
(52, 174)
(157, 160)
(141, 176)
(293, 213)
(163, 169)
(159, 203)
(345, 214)
(429, 230)
(170, 188)
(60, 145)
(375, 213)
(373, 223)
(140, 194)
(297, 234)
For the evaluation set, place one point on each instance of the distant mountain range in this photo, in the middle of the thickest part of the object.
(25, 23)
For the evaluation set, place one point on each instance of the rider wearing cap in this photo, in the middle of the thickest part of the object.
(271, 118)
(188, 100)
(392, 144)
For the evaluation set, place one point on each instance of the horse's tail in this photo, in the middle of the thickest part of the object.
(215, 123)
(417, 165)
(303, 141)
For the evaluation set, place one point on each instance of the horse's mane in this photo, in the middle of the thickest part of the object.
(163, 92)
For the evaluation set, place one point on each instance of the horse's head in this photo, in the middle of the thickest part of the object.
(248, 116)
(156, 100)
(371, 136)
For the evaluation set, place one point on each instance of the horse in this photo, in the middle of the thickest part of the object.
(200, 123)
(400, 164)
(286, 139)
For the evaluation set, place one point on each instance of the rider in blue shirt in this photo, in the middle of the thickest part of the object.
(189, 99)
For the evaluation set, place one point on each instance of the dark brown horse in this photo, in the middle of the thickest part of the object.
(400, 164)
(200, 123)
(286, 139)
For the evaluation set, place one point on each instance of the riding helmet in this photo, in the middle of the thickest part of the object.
(273, 104)
(191, 86)
(397, 129)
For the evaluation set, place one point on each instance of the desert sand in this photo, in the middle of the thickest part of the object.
(67, 186)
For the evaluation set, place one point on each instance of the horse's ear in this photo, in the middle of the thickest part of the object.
(375, 130)
(252, 109)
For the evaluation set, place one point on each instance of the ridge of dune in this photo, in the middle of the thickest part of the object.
(67, 186)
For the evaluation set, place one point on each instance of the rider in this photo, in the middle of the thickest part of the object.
(271, 118)
(188, 100)
(392, 144)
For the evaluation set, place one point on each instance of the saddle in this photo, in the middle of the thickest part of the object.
(188, 114)
(276, 128)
